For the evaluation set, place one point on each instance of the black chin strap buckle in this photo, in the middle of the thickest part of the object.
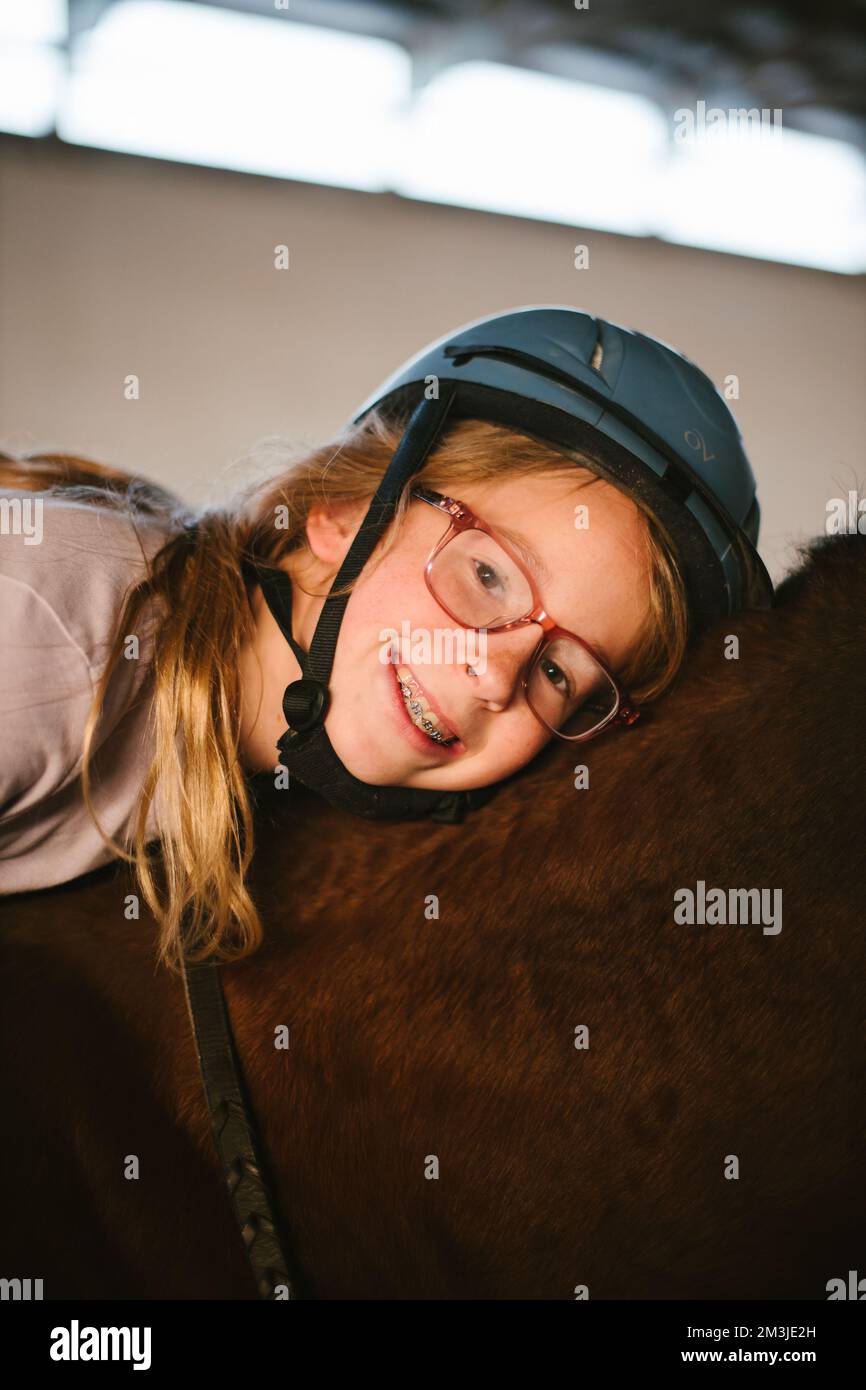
(305, 704)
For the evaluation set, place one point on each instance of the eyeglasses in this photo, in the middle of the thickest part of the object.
(476, 577)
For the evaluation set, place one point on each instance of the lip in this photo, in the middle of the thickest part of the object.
(446, 723)
(419, 740)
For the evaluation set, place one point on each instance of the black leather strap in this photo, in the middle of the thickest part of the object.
(234, 1133)
(277, 590)
(417, 441)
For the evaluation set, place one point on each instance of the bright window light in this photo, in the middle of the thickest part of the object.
(31, 81)
(208, 86)
(31, 70)
(261, 93)
(487, 136)
(781, 195)
(33, 21)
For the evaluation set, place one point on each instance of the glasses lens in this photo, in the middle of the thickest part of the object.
(478, 582)
(568, 689)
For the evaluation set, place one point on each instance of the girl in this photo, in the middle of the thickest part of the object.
(146, 649)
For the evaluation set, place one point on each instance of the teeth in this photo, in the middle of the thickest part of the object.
(421, 714)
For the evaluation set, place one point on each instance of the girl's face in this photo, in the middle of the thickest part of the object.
(594, 582)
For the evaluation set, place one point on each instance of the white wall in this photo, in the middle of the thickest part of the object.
(111, 265)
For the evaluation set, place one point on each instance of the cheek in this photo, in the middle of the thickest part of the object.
(519, 745)
(390, 597)
(395, 595)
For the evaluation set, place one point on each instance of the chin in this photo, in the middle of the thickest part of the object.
(364, 763)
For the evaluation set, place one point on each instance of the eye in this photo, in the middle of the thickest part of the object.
(486, 575)
(557, 677)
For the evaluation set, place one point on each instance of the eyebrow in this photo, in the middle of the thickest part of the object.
(522, 546)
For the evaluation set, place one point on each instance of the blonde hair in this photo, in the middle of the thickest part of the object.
(196, 593)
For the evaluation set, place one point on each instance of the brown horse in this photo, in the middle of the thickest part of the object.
(513, 1070)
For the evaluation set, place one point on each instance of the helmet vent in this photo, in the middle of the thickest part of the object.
(597, 355)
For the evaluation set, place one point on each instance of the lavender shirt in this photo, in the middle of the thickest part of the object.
(64, 569)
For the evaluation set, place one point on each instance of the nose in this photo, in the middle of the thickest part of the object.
(505, 662)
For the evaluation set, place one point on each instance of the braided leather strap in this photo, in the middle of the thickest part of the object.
(234, 1131)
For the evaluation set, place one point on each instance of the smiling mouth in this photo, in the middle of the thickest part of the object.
(419, 711)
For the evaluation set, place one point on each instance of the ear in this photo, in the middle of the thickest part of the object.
(331, 528)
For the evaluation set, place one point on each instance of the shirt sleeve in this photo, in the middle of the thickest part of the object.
(46, 690)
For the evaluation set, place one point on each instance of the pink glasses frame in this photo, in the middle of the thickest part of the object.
(462, 518)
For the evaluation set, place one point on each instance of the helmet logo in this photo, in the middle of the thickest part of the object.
(696, 441)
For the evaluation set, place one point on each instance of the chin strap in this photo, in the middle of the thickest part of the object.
(277, 589)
